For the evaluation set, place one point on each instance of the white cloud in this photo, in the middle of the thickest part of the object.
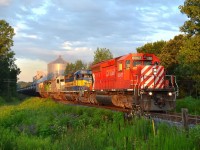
(162, 35)
(4, 2)
(20, 26)
(31, 36)
(42, 9)
(82, 53)
(66, 45)
(29, 67)
(24, 8)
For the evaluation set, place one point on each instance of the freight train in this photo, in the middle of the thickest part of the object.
(135, 80)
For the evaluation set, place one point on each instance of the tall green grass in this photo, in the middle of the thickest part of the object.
(44, 124)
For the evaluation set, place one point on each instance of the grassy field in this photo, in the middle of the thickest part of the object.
(44, 124)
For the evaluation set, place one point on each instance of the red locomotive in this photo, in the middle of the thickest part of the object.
(134, 80)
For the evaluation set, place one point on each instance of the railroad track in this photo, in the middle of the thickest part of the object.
(114, 108)
(176, 117)
(170, 117)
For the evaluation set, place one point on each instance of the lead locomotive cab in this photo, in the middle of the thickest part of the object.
(155, 90)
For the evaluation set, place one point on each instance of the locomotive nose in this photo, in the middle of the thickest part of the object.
(159, 101)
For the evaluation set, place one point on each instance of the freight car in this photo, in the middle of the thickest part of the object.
(132, 81)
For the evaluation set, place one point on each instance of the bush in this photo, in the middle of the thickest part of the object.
(192, 104)
(2, 101)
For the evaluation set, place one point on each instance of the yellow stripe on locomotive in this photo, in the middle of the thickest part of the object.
(80, 80)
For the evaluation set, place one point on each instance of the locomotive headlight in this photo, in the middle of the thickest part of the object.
(170, 93)
(154, 71)
(150, 93)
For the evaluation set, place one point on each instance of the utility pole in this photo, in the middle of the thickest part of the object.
(8, 81)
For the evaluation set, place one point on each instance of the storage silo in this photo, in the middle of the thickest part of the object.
(56, 68)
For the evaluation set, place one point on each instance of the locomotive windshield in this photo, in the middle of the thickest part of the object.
(147, 63)
(84, 77)
(141, 62)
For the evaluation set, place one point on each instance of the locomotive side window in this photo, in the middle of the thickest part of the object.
(147, 63)
(135, 63)
(120, 67)
(127, 64)
(87, 76)
(77, 76)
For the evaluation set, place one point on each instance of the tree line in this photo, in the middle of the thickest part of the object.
(100, 54)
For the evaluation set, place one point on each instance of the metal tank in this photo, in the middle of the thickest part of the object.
(56, 68)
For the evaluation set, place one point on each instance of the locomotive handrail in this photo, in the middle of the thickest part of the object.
(177, 91)
(136, 83)
(176, 85)
(170, 78)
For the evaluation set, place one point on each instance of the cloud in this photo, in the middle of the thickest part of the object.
(66, 45)
(74, 29)
(29, 67)
(4, 2)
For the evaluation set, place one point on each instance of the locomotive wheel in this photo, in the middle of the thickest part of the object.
(137, 110)
(92, 99)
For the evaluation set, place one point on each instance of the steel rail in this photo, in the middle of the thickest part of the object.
(169, 116)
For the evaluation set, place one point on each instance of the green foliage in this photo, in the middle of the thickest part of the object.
(9, 70)
(2, 101)
(189, 58)
(102, 54)
(193, 105)
(73, 67)
(191, 9)
(170, 52)
(69, 68)
(195, 134)
(43, 124)
(6, 34)
(153, 48)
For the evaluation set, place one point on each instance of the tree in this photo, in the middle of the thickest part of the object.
(73, 67)
(189, 58)
(102, 54)
(169, 53)
(9, 70)
(153, 48)
(69, 68)
(192, 9)
(6, 34)
(79, 65)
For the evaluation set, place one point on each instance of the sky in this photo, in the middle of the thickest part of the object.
(45, 29)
